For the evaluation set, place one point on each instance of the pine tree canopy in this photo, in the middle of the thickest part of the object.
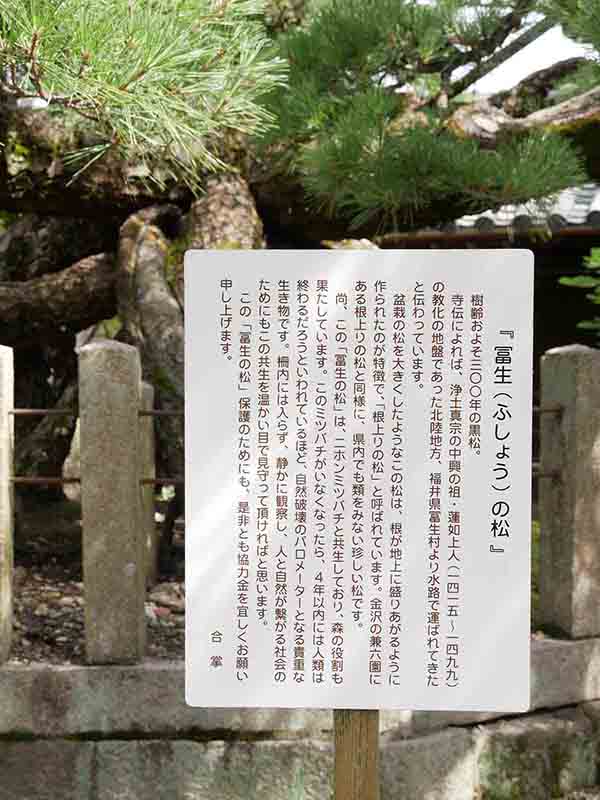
(154, 77)
(366, 122)
(580, 20)
(360, 109)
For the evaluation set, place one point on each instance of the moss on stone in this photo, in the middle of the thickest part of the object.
(163, 382)
(109, 328)
(533, 767)
(228, 244)
(574, 763)
(17, 154)
(174, 260)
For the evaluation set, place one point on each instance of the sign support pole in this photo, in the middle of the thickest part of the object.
(356, 736)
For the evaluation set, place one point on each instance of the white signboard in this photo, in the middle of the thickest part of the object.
(358, 478)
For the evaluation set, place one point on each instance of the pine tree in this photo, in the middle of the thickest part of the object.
(370, 122)
(589, 280)
(373, 128)
(161, 81)
(357, 117)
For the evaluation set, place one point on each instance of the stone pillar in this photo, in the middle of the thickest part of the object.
(114, 553)
(569, 501)
(148, 470)
(6, 499)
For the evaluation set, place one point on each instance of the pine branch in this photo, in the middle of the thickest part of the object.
(485, 123)
(486, 45)
(156, 78)
(530, 35)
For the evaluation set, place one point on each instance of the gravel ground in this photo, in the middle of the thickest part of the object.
(49, 611)
(49, 601)
(582, 794)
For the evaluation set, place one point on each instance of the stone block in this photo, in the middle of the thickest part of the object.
(441, 766)
(570, 504)
(146, 700)
(564, 673)
(537, 757)
(186, 770)
(114, 554)
(46, 770)
(149, 698)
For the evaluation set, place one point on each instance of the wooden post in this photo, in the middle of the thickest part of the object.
(356, 735)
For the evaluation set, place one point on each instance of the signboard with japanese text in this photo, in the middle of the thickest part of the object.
(358, 478)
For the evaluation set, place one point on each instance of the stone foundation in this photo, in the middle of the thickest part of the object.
(125, 733)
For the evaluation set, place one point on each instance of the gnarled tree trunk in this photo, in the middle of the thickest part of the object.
(152, 311)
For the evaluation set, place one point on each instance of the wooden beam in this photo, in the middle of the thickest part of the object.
(356, 735)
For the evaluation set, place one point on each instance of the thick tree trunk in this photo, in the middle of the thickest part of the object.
(224, 218)
(67, 301)
(37, 245)
(34, 175)
(42, 453)
(153, 320)
(152, 311)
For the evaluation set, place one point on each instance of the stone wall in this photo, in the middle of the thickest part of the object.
(125, 733)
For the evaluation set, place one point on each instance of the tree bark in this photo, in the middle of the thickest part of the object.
(152, 311)
(487, 124)
(224, 218)
(67, 301)
(536, 90)
(42, 453)
(577, 118)
(153, 320)
(35, 176)
(37, 245)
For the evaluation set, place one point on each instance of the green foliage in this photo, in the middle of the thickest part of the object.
(582, 80)
(589, 280)
(108, 328)
(580, 19)
(7, 218)
(159, 78)
(369, 152)
(359, 165)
